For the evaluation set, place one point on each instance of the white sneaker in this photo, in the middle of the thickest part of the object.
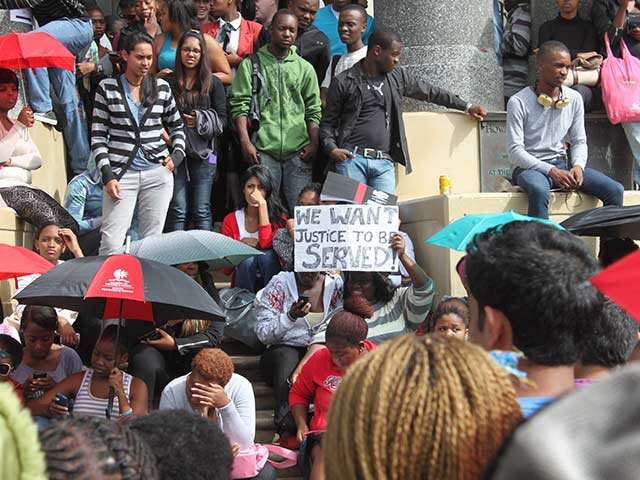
(46, 117)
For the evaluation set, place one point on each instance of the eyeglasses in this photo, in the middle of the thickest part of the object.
(186, 50)
(5, 369)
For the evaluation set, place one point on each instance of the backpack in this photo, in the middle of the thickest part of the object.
(258, 85)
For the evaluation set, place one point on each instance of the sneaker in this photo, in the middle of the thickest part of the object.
(46, 117)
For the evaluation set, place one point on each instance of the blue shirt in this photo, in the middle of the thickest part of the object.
(531, 405)
(140, 163)
(327, 22)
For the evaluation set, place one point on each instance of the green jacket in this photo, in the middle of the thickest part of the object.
(295, 99)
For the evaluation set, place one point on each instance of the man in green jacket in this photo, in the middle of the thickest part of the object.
(290, 109)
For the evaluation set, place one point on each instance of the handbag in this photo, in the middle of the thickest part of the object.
(240, 316)
(248, 463)
(620, 81)
(584, 71)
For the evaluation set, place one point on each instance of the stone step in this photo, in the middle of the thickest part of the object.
(247, 366)
(264, 396)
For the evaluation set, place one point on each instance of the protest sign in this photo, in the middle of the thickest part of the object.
(345, 237)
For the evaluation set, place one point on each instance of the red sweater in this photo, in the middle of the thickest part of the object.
(265, 233)
(317, 382)
(249, 34)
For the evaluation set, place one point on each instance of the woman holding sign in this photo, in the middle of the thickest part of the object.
(396, 311)
(255, 224)
(289, 311)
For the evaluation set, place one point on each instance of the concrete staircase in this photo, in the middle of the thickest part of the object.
(246, 362)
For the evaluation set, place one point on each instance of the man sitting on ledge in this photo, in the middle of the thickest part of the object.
(540, 119)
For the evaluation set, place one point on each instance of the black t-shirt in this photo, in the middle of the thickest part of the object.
(577, 34)
(373, 126)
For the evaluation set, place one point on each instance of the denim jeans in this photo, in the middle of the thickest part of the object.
(293, 174)
(632, 131)
(192, 196)
(377, 173)
(76, 35)
(146, 192)
(538, 186)
(246, 274)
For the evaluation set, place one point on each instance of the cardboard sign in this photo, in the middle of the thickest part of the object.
(345, 238)
(339, 188)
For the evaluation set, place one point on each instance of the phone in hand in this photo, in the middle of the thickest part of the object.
(151, 335)
(64, 401)
(303, 299)
(39, 375)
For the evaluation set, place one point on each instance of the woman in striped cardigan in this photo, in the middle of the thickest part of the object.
(129, 116)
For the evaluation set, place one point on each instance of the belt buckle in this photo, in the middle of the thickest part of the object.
(370, 153)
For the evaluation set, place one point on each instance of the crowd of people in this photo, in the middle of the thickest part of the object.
(185, 113)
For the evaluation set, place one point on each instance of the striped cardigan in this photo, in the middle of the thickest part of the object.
(116, 136)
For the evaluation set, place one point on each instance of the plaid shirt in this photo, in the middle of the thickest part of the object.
(46, 11)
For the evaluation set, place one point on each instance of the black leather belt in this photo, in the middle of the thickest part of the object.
(370, 153)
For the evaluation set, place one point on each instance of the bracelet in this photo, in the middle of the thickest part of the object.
(127, 413)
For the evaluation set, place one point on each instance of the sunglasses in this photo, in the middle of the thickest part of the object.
(5, 369)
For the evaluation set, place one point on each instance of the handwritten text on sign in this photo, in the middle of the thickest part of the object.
(345, 237)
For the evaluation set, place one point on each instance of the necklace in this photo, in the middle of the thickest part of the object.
(133, 84)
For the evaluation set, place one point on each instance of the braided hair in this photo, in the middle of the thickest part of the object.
(419, 407)
(87, 448)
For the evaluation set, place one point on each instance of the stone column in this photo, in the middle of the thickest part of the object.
(450, 44)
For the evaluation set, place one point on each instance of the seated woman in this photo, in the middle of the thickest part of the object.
(255, 224)
(319, 378)
(18, 154)
(407, 411)
(10, 358)
(43, 363)
(213, 390)
(396, 311)
(50, 241)
(451, 318)
(90, 389)
(289, 310)
(156, 361)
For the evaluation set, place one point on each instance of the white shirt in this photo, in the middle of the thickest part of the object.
(234, 37)
(105, 42)
(241, 227)
(345, 62)
(237, 420)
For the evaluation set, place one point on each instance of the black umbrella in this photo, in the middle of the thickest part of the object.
(609, 221)
(122, 286)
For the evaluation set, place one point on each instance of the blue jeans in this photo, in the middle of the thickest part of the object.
(292, 173)
(377, 173)
(76, 35)
(192, 195)
(538, 186)
(267, 264)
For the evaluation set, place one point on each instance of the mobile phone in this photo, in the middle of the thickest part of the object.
(64, 401)
(38, 375)
(151, 335)
(303, 299)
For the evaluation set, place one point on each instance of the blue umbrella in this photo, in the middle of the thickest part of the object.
(177, 247)
(458, 234)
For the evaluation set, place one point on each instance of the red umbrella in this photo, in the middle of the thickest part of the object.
(620, 282)
(34, 50)
(18, 261)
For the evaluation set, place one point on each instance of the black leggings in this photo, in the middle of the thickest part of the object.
(277, 364)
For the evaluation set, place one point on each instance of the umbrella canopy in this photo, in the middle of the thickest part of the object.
(459, 233)
(122, 286)
(193, 246)
(18, 262)
(609, 221)
(619, 281)
(34, 50)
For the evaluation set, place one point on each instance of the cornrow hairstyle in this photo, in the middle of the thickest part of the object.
(349, 325)
(186, 446)
(214, 365)
(88, 448)
(420, 407)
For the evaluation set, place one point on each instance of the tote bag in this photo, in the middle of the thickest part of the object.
(620, 81)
